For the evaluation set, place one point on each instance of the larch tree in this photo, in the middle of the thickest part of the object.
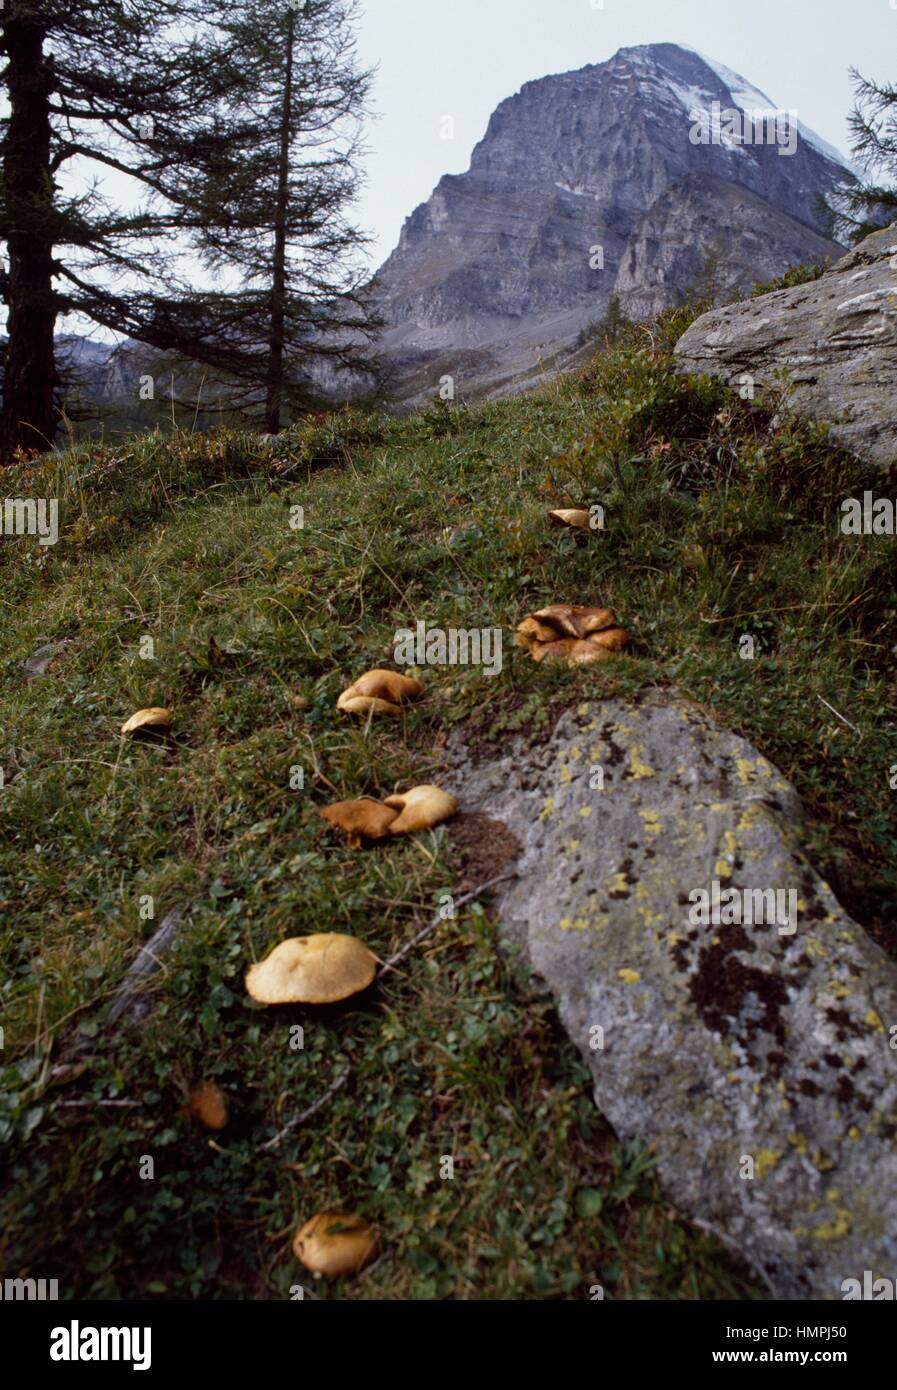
(270, 214)
(96, 91)
(871, 203)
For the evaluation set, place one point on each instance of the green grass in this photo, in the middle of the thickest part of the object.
(717, 525)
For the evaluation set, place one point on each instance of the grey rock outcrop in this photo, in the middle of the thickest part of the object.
(687, 226)
(836, 338)
(498, 271)
(755, 1055)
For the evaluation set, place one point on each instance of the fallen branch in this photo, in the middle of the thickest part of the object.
(431, 926)
(93, 1104)
(145, 965)
(306, 1114)
(839, 716)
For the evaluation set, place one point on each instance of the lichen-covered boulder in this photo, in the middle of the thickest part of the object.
(731, 1012)
(835, 338)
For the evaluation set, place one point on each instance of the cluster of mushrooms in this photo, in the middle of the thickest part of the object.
(576, 636)
(329, 967)
(421, 808)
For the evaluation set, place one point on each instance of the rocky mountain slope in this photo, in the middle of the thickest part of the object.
(588, 184)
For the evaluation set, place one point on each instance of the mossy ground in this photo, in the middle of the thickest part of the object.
(717, 526)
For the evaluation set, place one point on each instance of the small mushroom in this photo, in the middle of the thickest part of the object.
(595, 619)
(531, 632)
(612, 639)
(561, 650)
(334, 1243)
(360, 820)
(365, 704)
(380, 692)
(154, 718)
(579, 520)
(575, 635)
(208, 1105)
(420, 809)
(320, 969)
(560, 617)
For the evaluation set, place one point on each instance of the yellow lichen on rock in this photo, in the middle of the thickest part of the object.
(765, 1161)
(638, 767)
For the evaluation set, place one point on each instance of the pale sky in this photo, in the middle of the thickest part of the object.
(462, 57)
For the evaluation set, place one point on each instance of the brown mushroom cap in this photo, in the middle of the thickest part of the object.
(154, 718)
(595, 619)
(334, 1243)
(530, 632)
(611, 639)
(565, 516)
(560, 618)
(561, 650)
(389, 685)
(360, 820)
(208, 1105)
(379, 688)
(420, 808)
(320, 969)
(568, 621)
(584, 652)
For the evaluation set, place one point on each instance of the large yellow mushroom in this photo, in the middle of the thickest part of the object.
(574, 635)
(420, 809)
(334, 1243)
(321, 969)
(380, 692)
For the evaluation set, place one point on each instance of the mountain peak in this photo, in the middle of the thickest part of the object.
(709, 80)
(589, 184)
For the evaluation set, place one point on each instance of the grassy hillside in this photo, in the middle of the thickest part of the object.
(717, 525)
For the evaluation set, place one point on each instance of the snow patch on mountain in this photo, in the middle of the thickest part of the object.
(749, 98)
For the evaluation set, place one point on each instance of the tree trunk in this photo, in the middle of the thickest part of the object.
(29, 415)
(279, 276)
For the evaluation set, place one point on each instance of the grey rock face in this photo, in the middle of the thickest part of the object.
(666, 252)
(836, 338)
(754, 1054)
(501, 259)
